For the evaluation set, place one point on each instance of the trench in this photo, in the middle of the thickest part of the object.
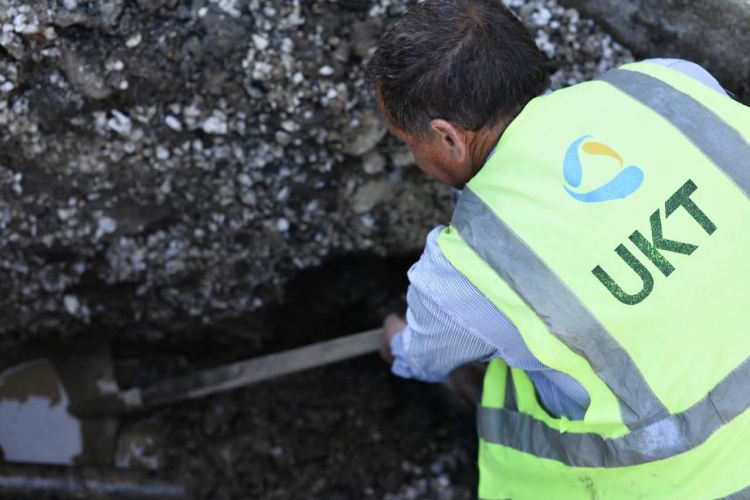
(344, 431)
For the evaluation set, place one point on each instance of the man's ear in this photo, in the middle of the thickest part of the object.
(453, 138)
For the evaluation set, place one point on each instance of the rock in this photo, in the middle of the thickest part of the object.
(260, 42)
(173, 123)
(402, 157)
(371, 194)
(106, 225)
(96, 14)
(364, 137)
(290, 126)
(84, 77)
(120, 123)
(373, 163)
(72, 304)
(713, 33)
(365, 35)
(215, 124)
(225, 34)
(134, 40)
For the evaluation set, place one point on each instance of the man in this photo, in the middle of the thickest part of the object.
(596, 258)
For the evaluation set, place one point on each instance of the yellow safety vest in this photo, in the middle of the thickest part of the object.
(612, 226)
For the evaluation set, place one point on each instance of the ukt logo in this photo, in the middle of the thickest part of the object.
(626, 182)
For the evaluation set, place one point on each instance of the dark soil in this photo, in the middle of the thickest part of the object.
(345, 431)
(342, 432)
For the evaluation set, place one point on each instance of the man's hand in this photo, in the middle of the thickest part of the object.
(392, 325)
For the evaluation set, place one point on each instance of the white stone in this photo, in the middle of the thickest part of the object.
(215, 125)
(326, 70)
(542, 16)
(282, 225)
(249, 198)
(120, 123)
(228, 6)
(173, 123)
(71, 304)
(65, 213)
(70, 4)
(260, 42)
(282, 138)
(287, 45)
(245, 180)
(30, 28)
(261, 69)
(19, 22)
(290, 126)
(134, 41)
(162, 153)
(106, 225)
(298, 78)
(283, 194)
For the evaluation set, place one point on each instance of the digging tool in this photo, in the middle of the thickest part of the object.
(232, 375)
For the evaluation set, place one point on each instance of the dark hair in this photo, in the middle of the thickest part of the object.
(470, 62)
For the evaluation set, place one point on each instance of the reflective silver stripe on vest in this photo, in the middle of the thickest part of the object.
(662, 439)
(557, 306)
(740, 495)
(719, 141)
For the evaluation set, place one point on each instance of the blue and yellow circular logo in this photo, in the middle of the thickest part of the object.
(626, 182)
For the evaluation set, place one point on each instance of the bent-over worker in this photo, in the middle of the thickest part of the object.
(596, 259)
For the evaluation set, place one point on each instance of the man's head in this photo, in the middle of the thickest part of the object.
(450, 76)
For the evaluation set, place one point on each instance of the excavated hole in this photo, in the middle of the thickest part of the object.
(345, 431)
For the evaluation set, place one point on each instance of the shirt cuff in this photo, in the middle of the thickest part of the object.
(400, 366)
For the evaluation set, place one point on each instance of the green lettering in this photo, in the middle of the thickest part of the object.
(651, 250)
(615, 289)
(682, 199)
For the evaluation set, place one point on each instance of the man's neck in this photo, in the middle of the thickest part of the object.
(483, 143)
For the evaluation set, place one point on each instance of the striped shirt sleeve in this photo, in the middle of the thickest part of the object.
(450, 323)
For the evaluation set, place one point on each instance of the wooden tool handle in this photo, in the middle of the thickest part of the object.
(242, 373)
